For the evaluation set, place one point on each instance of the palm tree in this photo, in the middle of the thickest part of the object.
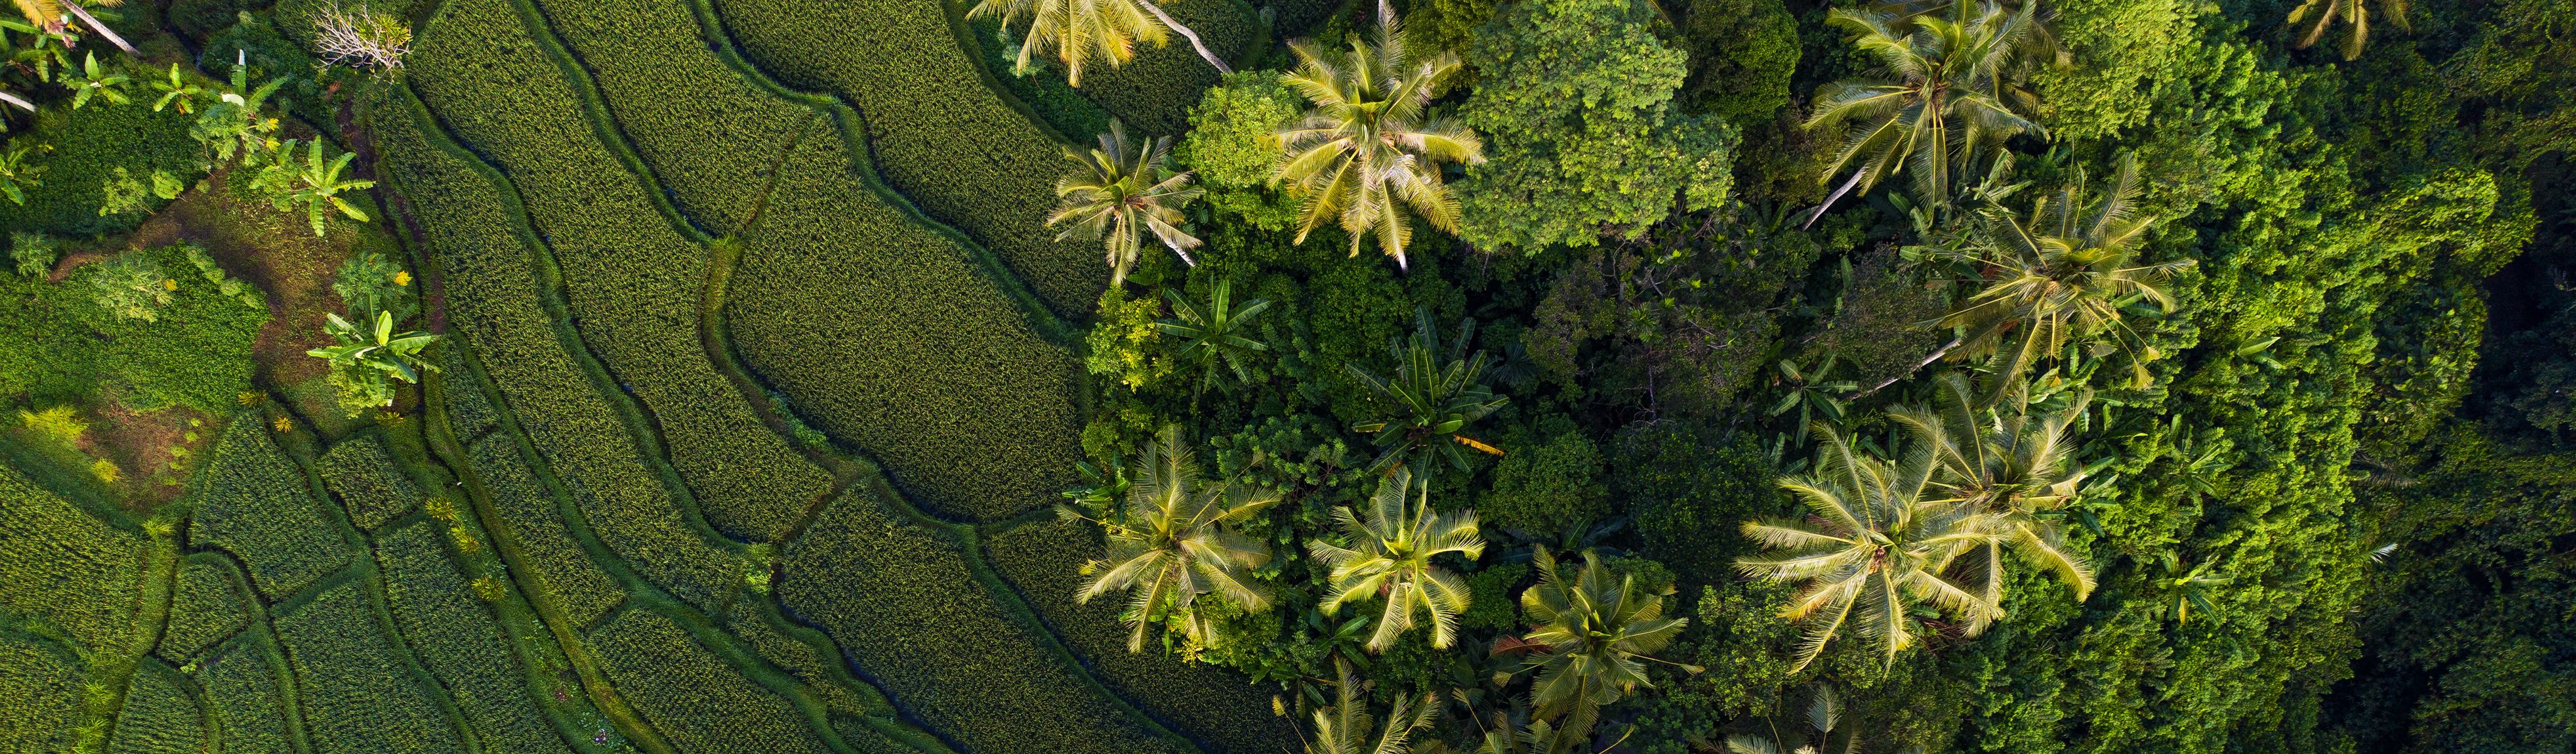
(1595, 629)
(2187, 589)
(1873, 544)
(1216, 332)
(1367, 152)
(2326, 11)
(1434, 395)
(1824, 715)
(2064, 274)
(1941, 94)
(1532, 737)
(1172, 542)
(1347, 728)
(1080, 31)
(1390, 556)
(2012, 460)
(1119, 193)
(47, 16)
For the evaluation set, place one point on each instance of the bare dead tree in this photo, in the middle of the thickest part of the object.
(361, 38)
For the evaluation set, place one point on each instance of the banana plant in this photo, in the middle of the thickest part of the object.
(95, 81)
(379, 349)
(178, 90)
(1806, 389)
(16, 176)
(315, 184)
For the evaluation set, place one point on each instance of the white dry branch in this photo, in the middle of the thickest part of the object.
(361, 38)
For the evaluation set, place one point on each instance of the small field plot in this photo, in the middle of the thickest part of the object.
(243, 694)
(699, 702)
(358, 696)
(450, 631)
(368, 482)
(40, 693)
(258, 506)
(62, 566)
(205, 608)
(158, 716)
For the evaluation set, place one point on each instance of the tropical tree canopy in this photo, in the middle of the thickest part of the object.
(2013, 460)
(1390, 554)
(1219, 332)
(1941, 94)
(1346, 727)
(1874, 544)
(1173, 541)
(1121, 191)
(2320, 15)
(1368, 152)
(2064, 274)
(1594, 628)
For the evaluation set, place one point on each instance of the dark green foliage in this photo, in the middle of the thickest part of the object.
(205, 609)
(40, 690)
(1058, 104)
(243, 698)
(256, 41)
(1725, 286)
(1495, 588)
(356, 692)
(87, 148)
(258, 506)
(936, 132)
(632, 279)
(59, 342)
(1582, 139)
(65, 568)
(1153, 92)
(1742, 53)
(1548, 481)
(368, 482)
(1877, 324)
(158, 716)
(469, 411)
(916, 615)
(453, 634)
(1434, 25)
(1215, 705)
(692, 697)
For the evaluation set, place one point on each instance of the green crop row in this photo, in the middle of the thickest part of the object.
(205, 609)
(358, 695)
(1218, 706)
(242, 693)
(482, 244)
(469, 412)
(810, 666)
(583, 591)
(939, 132)
(258, 506)
(62, 565)
(40, 693)
(158, 717)
(449, 629)
(907, 355)
(695, 699)
(631, 280)
(370, 485)
(908, 607)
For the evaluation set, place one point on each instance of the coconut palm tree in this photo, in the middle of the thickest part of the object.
(1872, 546)
(1940, 95)
(1218, 332)
(1172, 542)
(1121, 192)
(2012, 460)
(1824, 715)
(1390, 555)
(1434, 395)
(1347, 728)
(48, 16)
(2326, 11)
(1595, 628)
(2064, 274)
(1368, 154)
(1081, 31)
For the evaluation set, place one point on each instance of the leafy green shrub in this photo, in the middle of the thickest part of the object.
(1692, 487)
(1742, 53)
(914, 614)
(1233, 149)
(1495, 605)
(450, 631)
(369, 283)
(255, 43)
(158, 717)
(357, 692)
(972, 410)
(1216, 705)
(154, 339)
(633, 281)
(693, 698)
(40, 694)
(258, 506)
(205, 609)
(34, 253)
(1548, 481)
(370, 485)
(61, 425)
(87, 150)
(936, 132)
(483, 244)
(242, 693)
(132, 287)
(129, 193)
(65, 567)
(577, 585)
(240, 290)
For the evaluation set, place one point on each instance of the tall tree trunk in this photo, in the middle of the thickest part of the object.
(92, 22)
(1829, 201)
(1937, 353)
(15, 100)
(1157, 10)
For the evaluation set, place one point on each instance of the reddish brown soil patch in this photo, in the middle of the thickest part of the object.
(142, 445)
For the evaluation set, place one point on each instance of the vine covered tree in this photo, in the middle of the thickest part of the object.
(1390, 554)
(1173, 541)
(1120, 192)
(1368, 153)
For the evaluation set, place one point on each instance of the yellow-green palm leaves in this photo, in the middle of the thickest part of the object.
(1172, 543)
(1595, 627)
(2013, 460)
(1367, 154)
(1940, 94)
(1120, 192)
(2324, 13)
(1872, 545)
(1346, 727)
(2065, 273)
(1076, 32)
(1390, 554)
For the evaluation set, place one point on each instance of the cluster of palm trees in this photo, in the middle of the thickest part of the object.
(1366, 155)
